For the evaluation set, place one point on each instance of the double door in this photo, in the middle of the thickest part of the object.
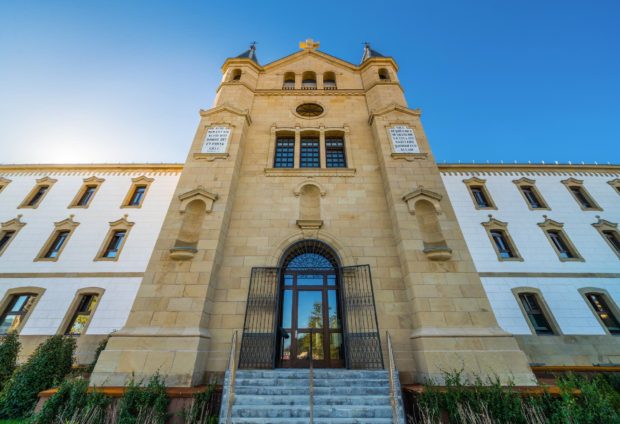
(310, 320)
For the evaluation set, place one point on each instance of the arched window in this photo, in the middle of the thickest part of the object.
(16, 307)
(384, 75)
(289, 81)
(236, 75)
(329, 81)
(308, 81)
(536, 311)
(603, 309)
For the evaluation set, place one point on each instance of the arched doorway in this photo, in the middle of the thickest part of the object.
(309, 322)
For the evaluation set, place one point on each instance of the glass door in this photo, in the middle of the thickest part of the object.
(310, 320)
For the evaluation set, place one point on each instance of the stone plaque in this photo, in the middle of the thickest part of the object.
(403, 140)
(216, 140)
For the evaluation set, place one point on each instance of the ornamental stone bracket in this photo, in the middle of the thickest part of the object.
(310, 224)
(198, 193)
(422, 194)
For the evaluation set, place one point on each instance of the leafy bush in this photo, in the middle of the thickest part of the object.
(9, 349)
(73, 403)
(581, 400)
(204, 408)
(146, 404)
(46, 367)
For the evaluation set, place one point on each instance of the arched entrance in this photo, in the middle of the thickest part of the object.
(310, 301)
(309, 322)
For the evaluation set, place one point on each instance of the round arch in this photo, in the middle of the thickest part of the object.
(342, 252)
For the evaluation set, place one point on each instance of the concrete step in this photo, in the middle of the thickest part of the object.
(238, 420)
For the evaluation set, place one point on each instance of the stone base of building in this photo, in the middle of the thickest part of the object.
(180, 360)
(84, 353)
(487, 357)
(570, 350)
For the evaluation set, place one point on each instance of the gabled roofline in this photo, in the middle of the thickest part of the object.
(318, 53)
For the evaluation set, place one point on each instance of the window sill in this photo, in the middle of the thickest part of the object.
(410, 157)
(310, 172)
(209, 157)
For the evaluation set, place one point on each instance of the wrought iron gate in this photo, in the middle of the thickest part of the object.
(258, 345)
(361, 330)
(362, 343)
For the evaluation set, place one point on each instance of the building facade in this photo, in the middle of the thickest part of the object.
(310, 217)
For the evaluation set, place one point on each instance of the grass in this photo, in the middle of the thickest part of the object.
(13, 421)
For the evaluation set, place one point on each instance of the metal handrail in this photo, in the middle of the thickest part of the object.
(391, 370)
(311, 376)
(232, 371)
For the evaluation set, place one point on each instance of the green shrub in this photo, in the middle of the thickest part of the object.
(73, 403)
(46, 367)
(146, 404)
(203, 408)
(9, 349)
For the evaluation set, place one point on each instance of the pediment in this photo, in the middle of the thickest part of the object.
(395, 111)
(307, 57)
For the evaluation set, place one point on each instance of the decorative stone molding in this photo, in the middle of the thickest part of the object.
(478, 182)
(310, 224)
(410, 157)
(422, 193)
(45, 181)
(197, 193)
(67, 224)
(614, 183)
(496, 225)
(13, 225)
(300, 186)
(603, 226)
(551, 225)
(119, 225)
(210, 157)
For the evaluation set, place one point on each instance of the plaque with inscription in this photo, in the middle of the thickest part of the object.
(403, 140)
(216, 140)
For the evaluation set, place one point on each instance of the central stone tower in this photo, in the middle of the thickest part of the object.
(310, 214)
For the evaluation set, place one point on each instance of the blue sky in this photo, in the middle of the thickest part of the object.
(122, 81)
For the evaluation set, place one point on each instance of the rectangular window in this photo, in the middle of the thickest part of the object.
(582, 197)
(38, 195)
(87, 195)
(114, 246)
(310, 154)
(5, 239)
(611, 237)
(14, 314)
(599, 303)
(285, 153)
(501, 243)
(557, 238)
(55, 247)
(82, 315)
(480, 197)
(334, 153)
(531, 197)
(137, 196)
(535, 313)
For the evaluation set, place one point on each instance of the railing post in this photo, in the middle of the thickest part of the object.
(232, 371)
(391, 369)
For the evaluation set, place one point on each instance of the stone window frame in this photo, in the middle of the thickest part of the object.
(16, 291)
(65, 225)
(603, 225)
(583, 291)
(45, 181)
(496, 225)
(573, 182)
(615, 184)
(344, 131)
(142, 180)
(87, 182)
(15, 225)
(479, 182)
(551, 225)
(121, 224)
(525, 182)
(71, 312)
(555, 327)
(3, 183)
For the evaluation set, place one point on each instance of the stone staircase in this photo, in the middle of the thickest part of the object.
(283, 396)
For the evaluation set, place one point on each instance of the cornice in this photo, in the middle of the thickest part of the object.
(227, 108)
(526, 167)
(80, 167)
(292, 57)
(393, 108)
(240, 61)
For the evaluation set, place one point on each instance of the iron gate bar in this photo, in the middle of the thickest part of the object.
(258, 344)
